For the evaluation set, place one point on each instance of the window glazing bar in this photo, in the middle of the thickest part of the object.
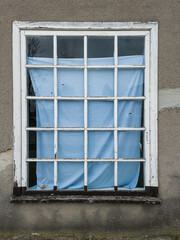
(82, 67)
(82, 160)
(82, 98)
(85, 114)
(55, 110)
(82, 129)
(115, 111)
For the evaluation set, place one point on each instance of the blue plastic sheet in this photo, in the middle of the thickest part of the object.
(100, 114)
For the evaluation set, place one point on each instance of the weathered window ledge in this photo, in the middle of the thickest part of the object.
(84, 199)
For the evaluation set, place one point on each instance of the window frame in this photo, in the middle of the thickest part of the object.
(150, 31)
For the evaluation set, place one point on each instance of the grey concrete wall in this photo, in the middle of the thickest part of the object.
(97, 217)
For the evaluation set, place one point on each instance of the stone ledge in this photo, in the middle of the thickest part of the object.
(84, 199)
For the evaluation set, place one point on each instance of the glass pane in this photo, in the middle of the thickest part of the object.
(131, 50)
(70, 50)
(41, 175)
(40, 82)
(130, 144)
(101, 82)
(39, 50)
(70, 82)
(71, 144)
(40, 144)
(70, 175)
(101, 175)
(71, 113)
(128, 174)
(40, 113)
(100, 51)
(100, 144)
(130, 113)
(141, 180)
(100, 113)
(130, 82)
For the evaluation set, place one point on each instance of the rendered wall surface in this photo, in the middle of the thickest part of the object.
(97, 217)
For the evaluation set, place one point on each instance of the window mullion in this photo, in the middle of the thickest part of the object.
(55, 112)
(115, 111)
(85, 113)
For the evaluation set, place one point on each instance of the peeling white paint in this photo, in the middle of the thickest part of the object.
(169, 98)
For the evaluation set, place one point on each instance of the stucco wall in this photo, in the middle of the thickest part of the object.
(97, 217)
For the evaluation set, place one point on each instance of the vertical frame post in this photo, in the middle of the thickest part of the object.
(55, 110)
(146, 113)
(154, 104)
(115, 112)
(85, 114)
(24, 108)
(17, 109)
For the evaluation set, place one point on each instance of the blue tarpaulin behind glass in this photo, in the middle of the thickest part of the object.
(100, 114)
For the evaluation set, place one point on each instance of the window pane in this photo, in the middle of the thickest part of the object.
(130, 82)
(70, 175)
(41, 175)
(71, 144)
(40, 144)
(100, 113)
(131, 50)
(141, 180)
(39, 50)
(100, 144)
(41, 113)
(101, 82)
(130, 113)
(130, 144)
(101, 175)
(70, 50)
(70, 82)
(70, 113)
(128, 174)
(40, 82)
(100, 51)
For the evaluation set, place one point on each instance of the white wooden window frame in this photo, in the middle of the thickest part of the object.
(148, 30)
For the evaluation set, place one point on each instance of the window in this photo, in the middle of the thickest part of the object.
(88, 116)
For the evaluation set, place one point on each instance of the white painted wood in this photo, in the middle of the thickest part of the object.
(146, 142)
(88, 160)
(85, 114)
(82, 67)
(115, 111)
(118, 66)
(131, 160)
(82, 98)
(17, 106)
(38, 66)
(39, 98)
(130, 66)
(86, 25)
(39, 129)
(85, 33)
(131, 98)
(55, 110)
(24, 109)
(81, 129)
(154, 105)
